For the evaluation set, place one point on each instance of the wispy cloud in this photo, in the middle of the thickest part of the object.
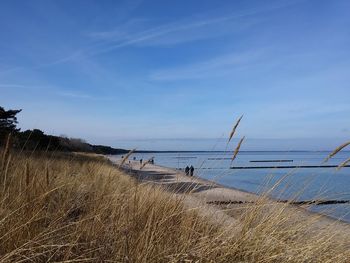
(55, 91)
(198, 27)
(8, 70)
(172, 33)
(11, 86)
(75, 95)
(221, 65)
(190, 29)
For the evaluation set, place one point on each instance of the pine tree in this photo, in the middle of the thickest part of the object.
(8, 122)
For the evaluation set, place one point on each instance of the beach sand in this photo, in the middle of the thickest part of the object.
(223, 204)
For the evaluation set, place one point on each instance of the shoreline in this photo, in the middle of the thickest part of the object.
(213, 194)
(258, 196)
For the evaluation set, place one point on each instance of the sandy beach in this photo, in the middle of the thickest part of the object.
(222, 204)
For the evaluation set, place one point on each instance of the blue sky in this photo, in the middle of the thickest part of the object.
(114, 71)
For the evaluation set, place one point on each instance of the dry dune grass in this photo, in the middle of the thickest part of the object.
(338, 149)
(72, 208)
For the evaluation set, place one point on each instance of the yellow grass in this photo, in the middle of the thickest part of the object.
(235, 153)
(234, 129)
(72, 208)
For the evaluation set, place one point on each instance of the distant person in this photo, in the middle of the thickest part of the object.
(152, 161)
(141, 161)
(187, 170)
(191, 170)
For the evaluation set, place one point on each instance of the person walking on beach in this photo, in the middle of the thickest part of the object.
(191, 170)
(141, 161)
(187, 169)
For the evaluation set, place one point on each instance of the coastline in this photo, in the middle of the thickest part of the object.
(203, 194)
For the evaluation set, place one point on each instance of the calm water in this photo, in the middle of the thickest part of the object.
(300, 183)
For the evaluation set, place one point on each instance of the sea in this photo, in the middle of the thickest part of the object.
(291, 182)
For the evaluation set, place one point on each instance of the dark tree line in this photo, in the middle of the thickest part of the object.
(8, 122)
(37, 140)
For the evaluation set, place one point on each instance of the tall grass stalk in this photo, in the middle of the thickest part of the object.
(89, 211)
(234, 129)
(236, 151)
(338, 149)
(126, 157)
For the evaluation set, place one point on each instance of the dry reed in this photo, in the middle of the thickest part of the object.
(47, 175)
(126, 157)
(235, 153)
(147, 162)
(92, 212)
(6, 151)
(234, 129)
(338, 149)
